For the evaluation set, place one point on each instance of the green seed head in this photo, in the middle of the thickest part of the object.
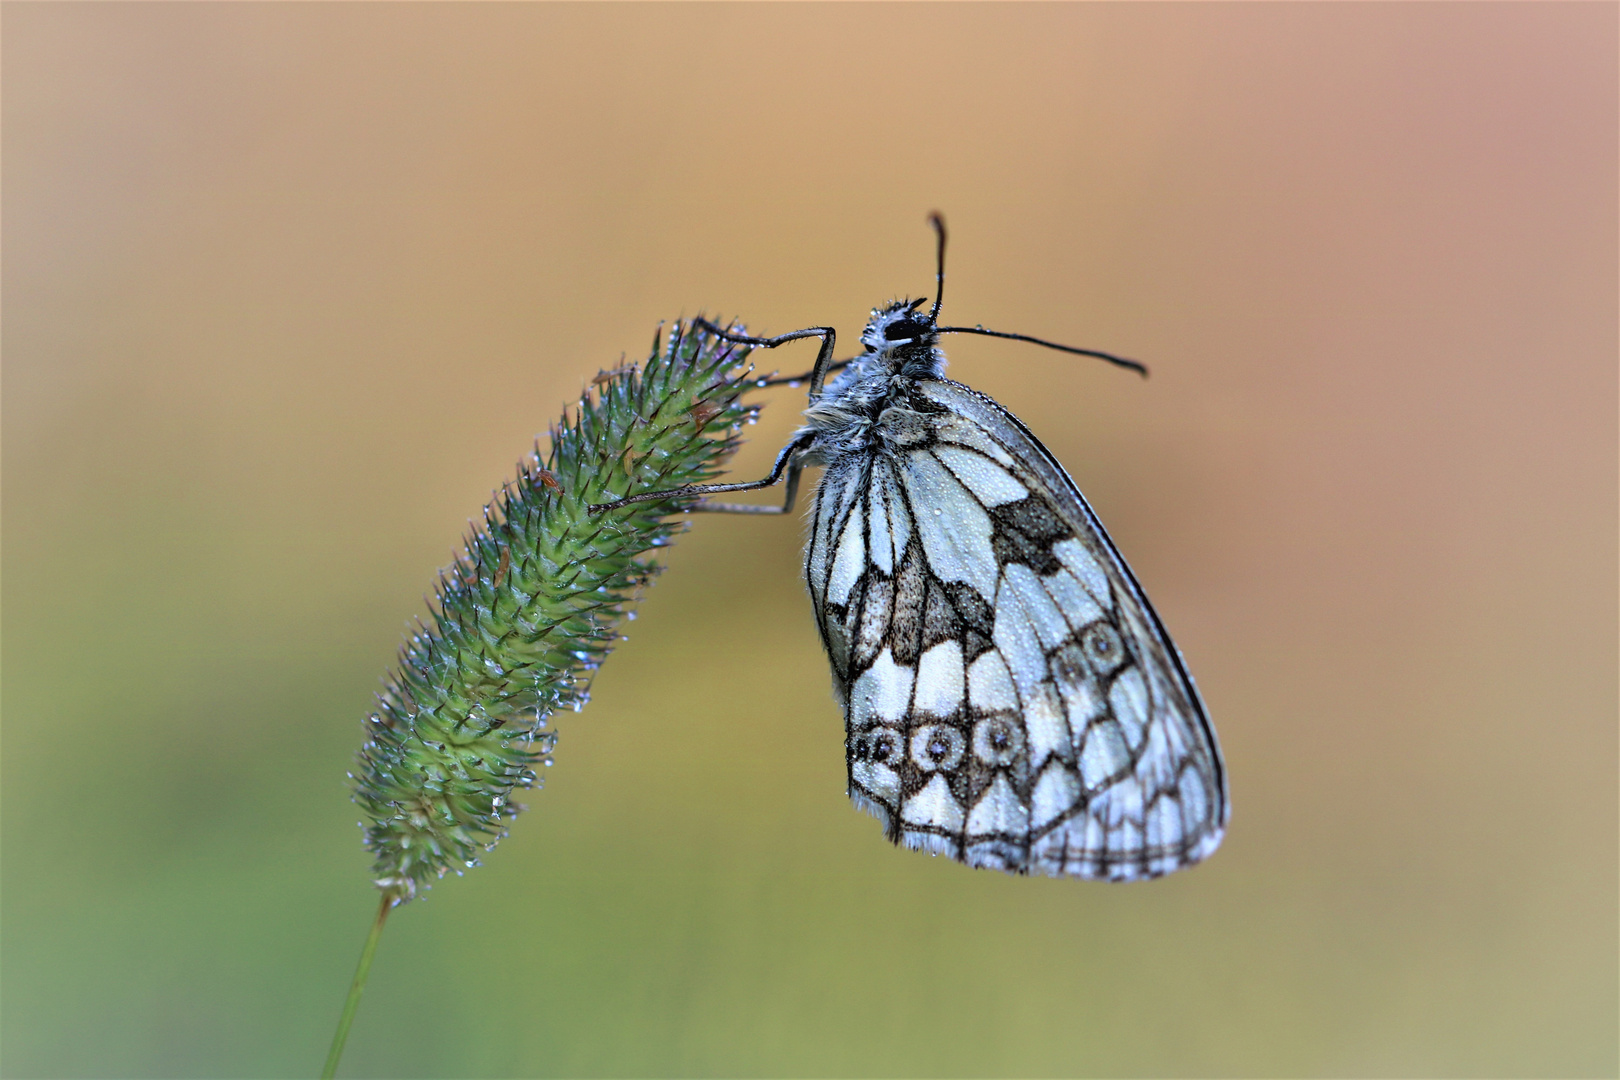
(529, 610)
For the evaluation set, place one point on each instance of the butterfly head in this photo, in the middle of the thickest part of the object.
(901, 337)
(904, 339)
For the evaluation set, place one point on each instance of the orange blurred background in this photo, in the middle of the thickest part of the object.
(289, 288)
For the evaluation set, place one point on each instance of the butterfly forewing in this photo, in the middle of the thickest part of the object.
(1010, 697)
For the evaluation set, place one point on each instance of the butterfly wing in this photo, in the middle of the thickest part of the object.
(1011, 698)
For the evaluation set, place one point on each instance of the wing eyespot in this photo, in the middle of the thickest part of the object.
(880, 746)
(998, 740)
(937, 748)
(1103, 647)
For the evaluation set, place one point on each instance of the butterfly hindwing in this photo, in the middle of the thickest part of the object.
(1011, 698)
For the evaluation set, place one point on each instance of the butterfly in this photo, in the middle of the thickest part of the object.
(1011, 699)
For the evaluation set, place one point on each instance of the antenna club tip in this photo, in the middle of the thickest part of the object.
(938, 222)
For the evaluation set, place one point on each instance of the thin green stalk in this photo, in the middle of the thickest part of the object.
(357, 988)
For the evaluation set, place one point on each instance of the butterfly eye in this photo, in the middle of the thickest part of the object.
(903, 329)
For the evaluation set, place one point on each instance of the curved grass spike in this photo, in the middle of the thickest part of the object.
(529, 610)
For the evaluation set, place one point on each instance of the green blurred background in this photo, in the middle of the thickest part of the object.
(289, 288)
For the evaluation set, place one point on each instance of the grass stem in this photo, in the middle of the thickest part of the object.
(357, 989)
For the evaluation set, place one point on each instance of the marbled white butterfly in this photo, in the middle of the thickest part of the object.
(1010, 697)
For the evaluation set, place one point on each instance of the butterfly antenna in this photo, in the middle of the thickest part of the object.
(1110, 357)
(938, 223)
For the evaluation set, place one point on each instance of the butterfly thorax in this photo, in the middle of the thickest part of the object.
(860, 405)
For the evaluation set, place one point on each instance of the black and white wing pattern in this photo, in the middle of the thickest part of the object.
(1011, 698)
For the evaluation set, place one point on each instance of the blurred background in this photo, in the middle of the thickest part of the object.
(289, 288)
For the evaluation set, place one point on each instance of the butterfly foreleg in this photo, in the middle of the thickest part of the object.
(789, 463)
(824, 360)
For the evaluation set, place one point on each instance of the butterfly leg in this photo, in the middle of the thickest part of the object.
(824, 360)
(795, 466)
(789, 462)
(795, 380)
